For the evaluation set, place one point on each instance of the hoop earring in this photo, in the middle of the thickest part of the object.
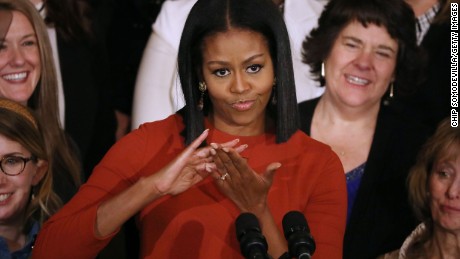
(202, 87)
(391, 90)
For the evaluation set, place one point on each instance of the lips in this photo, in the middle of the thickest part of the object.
(242, 105)
(447, 208)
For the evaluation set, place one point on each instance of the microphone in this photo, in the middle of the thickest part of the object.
(300, 242)
(252, 243)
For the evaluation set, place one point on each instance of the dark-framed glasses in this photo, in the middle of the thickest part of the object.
(14, 165)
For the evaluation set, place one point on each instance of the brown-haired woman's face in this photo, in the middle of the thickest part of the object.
(361, 65)
(444, 189)
(19, 60)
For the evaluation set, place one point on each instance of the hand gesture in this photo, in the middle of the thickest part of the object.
(190, 167)
(245, 187)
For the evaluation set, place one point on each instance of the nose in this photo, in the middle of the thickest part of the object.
(454, 190)
(240, 85)
(364, 60)
(16, 57)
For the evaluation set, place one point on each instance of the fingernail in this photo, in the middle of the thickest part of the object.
(213, 152)
(225, 149)
(214, 145)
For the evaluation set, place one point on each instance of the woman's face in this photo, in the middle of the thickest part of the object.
(361, 65)
(444, 189)
(238, 71)
(15, 190)
(19, 61)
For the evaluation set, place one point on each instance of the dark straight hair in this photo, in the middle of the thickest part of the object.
(208, 17)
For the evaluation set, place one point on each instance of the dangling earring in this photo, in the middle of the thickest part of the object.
(202, 87)
(323, 72)
(391, 90)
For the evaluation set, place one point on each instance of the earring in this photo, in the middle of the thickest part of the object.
(202, 87)
(323, 72)
(391, 90)
(274, 81)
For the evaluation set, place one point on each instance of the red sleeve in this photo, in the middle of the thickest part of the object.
(70, 232)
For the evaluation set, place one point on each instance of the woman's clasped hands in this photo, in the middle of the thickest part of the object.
(191, 166)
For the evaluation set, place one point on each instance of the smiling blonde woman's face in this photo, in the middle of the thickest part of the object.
(19, 60)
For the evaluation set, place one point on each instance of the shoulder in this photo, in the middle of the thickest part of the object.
(311, 151)
(172, 125)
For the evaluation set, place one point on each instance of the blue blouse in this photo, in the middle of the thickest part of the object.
(353, 181)
(24, 252)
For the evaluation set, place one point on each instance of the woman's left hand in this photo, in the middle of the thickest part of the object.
(239, 182)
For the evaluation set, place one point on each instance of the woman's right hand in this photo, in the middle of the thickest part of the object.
(190, 167)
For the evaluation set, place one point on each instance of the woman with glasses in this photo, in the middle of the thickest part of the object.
(26, 195)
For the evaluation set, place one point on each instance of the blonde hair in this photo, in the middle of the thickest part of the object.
(18, 123)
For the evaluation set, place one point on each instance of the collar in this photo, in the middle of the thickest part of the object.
(424, 21)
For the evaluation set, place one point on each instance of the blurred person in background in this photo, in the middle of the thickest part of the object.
(28, 76)
(434, 192)
(362, 51)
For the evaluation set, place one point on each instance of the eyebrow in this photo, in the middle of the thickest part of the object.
(248, 60)
(381, 46)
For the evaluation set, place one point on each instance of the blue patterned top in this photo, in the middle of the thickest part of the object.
(353, 181)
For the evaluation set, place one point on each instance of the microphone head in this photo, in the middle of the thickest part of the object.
(246, 222)
(297, 233)
(248, 233)
(294, 221)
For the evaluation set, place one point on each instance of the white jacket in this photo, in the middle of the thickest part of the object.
(158, 92)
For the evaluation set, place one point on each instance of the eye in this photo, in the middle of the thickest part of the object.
(384, 54)
(29, 43)
(12, 160)
(443, 174)
(351, 44)
(254, 68)
(221, 72)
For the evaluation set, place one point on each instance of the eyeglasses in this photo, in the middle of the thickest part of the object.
(14, 165)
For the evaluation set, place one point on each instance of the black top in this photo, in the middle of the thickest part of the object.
(431, 101)
(381, 218)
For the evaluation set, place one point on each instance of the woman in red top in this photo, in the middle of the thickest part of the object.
(236, 73)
